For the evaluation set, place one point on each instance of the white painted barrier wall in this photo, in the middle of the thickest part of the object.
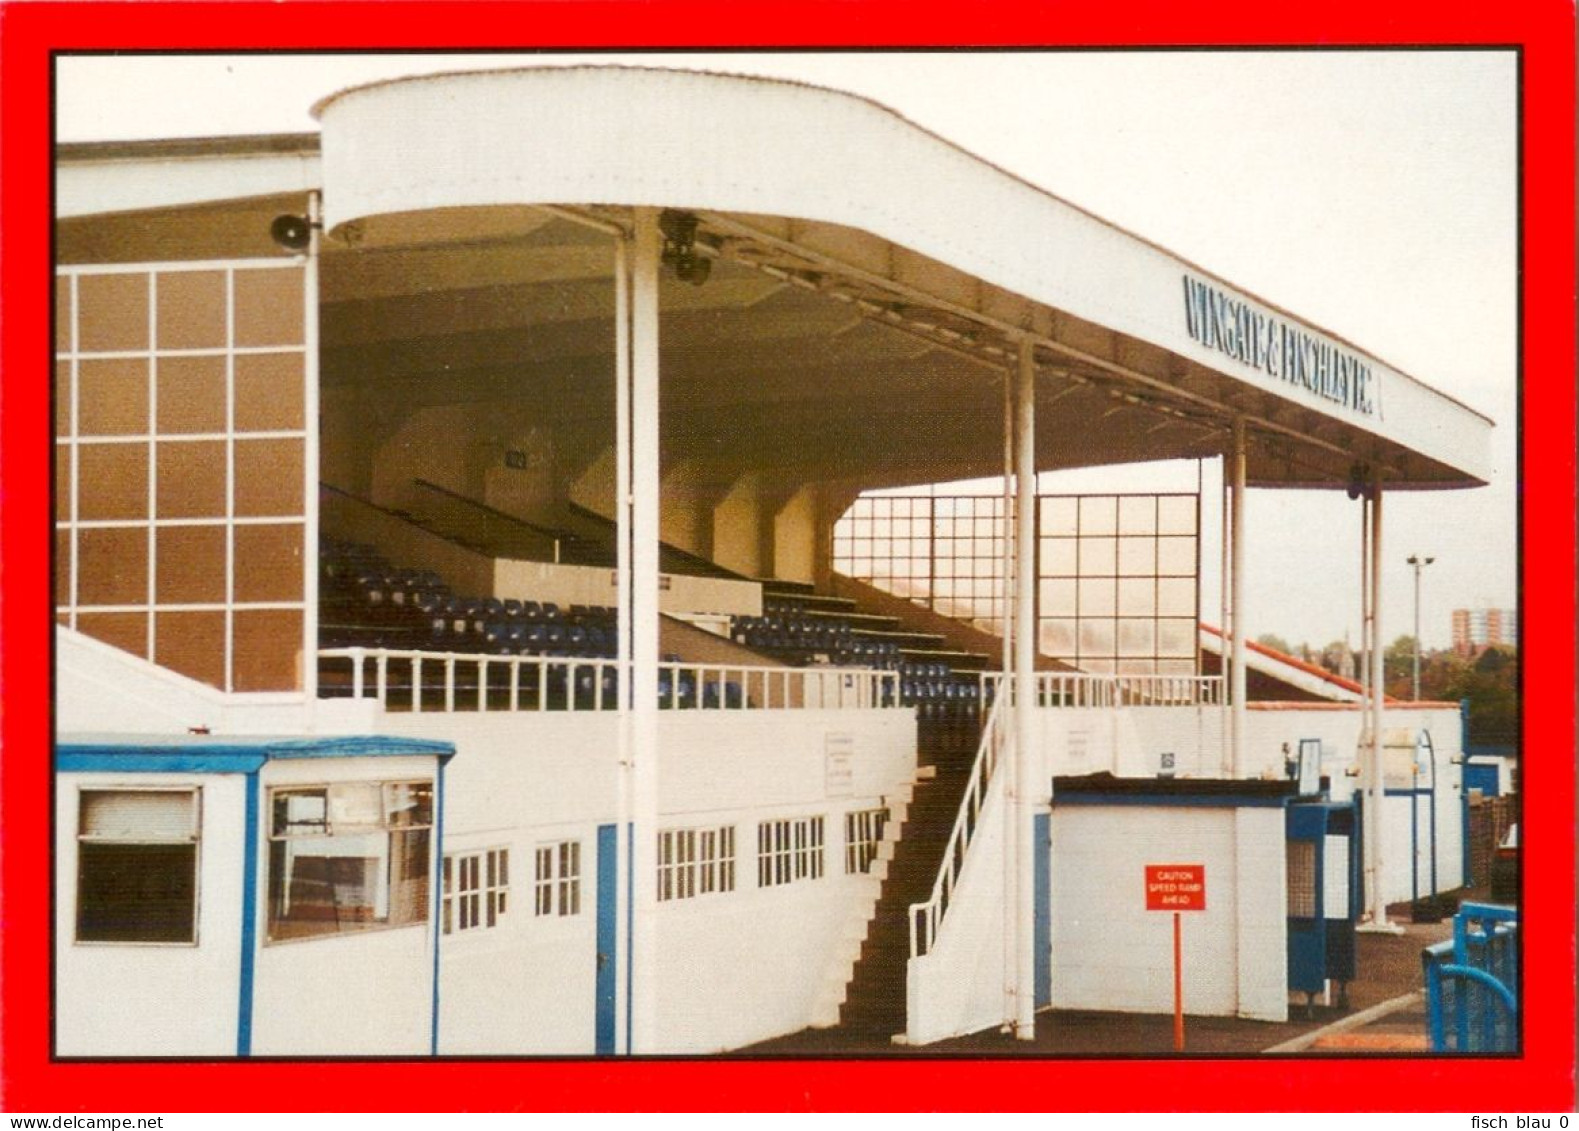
(733, 968)
(1110, 953)
(1268, 727)
(153, 999)
(101, 688)
(959, 986)
(568, 585)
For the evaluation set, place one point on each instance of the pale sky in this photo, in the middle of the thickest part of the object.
(1372, 193)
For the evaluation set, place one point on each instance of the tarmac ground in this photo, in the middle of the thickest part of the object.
(1385, 1015)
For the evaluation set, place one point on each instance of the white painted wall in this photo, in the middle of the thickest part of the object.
(733, 968)
(526, 985)
(1110, 953)
(1268, 727)
(744, 966)
(1128, 741)
(102, 689)
(958, 987)
(153, 999)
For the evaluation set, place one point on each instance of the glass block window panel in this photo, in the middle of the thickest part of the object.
(266, 649)
(1137, 514)
(64, 392)
(112, 482)
(181, 429)
(268, 479)
(189, 565)
(126, 631)
(192, 309)
(1178, 514)
(1137, 596)
(1098, 515)
(1137, 556)
(1099, 558)
(112, 312)
(1137, 636)
(269, 392)
(1176, 557)
(113, 396)
(1175, 596)
(65, 315)
(265, 307)
(192, 395)
(1060, 515)
(269, 562)
(191, 643)
(112, 565)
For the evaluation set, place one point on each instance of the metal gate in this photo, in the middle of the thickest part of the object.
(1472, 982)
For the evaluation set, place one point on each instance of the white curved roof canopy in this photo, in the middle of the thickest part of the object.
(942, 256)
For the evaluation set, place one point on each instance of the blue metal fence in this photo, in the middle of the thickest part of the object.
(1472, 982)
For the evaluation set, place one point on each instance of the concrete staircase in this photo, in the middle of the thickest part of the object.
(874, 1000)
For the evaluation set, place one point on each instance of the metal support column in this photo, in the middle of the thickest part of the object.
(1225, 616)
(622, 558)
(644, 624)
(1005, 765)
(1027, 748)
(1376, 776)
(1237, 604)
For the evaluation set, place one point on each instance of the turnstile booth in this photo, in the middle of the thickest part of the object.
(1324, 895)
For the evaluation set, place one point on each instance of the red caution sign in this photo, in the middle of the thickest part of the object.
(1175, 887)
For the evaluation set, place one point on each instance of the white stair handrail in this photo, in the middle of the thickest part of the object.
(930, 914)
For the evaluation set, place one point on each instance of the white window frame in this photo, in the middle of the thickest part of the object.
(279, 845)
(863, 836)
(790, 849)
(476, 890)
(695, 862)
(556, 883)
(194, 838)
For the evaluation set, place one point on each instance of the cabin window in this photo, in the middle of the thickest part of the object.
(476, 889)
(694, 862)
(558, 879)
(863, 832)
(789, 850)
(137, 865)
(348, 857)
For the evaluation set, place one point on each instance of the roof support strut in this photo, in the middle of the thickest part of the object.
(1027, 748)
(644, 626)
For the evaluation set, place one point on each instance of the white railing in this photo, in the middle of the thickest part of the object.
(926, 918)
(1078, 689)
(422, 681)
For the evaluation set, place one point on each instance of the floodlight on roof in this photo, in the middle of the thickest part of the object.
(679, 247)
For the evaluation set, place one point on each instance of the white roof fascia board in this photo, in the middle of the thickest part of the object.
(628, 136)
(89, 187)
